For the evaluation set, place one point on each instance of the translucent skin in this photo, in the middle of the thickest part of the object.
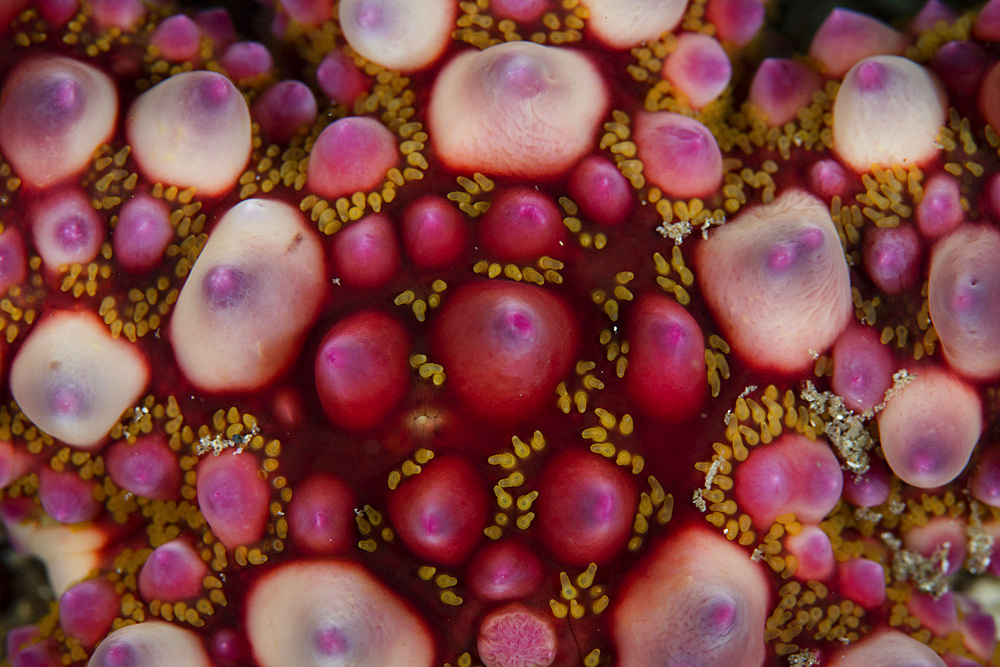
(516, 109)
(699, 68)
(173, 572)
(678, 153)
(928, 431)
(440, 513)
(862, 368)
(585, 508)
(777, 282)
(362, 372)
(862, 581)
(54, 111)
(177, 38)
(330, 612)
(67, 498)
(351, 155)
(233, 498)
(736, 21)
(142, 234)
(695, 599)
(940, 210)
(284, 109)
(321, 515)
(888, 111)
(366, 254)
(147, 467)
(87, 609)
(666, 373)
(985, 482)
(398, 34)
(813, 553)
(434, 232)
(845, 37)
(200, 116)
(962, 277)
(790, 475)
(601, 191)
(235, 325)
(340, 79)
(505, 570)
(925, 539)
(154, 644)
(780, 87)
(504, 346)
(888, 648)
(521, 225)
(56, 374)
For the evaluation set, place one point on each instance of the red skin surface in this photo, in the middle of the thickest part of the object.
(585, 508)
(666, 374)
(441, 512)
(505, 347)
(361, 370)
(494, 422)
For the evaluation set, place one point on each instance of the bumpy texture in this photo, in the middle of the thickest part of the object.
(499, 332)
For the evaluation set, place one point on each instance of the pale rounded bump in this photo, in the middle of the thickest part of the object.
(516, 109)
(678, 154)
(929, 429)
(151, 644)
(886, 648)
(780, 87)
(70, 553)
(813, 552)
(699, 68)
(845, 37)
(622, 24)
(66, 228)
(192, 130)
(121, 14)
(177, 38)
(791, 475)
(147, 467)
(776, 279)
(940, 210)
(249, 299)
(332, 613)
(284, 109)
(697, 599)
(888, 112)
(351, 155)
(963, 282)
(73, 380)
(398, 34)
(862, 581)
(517, 636)
(54, 112)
